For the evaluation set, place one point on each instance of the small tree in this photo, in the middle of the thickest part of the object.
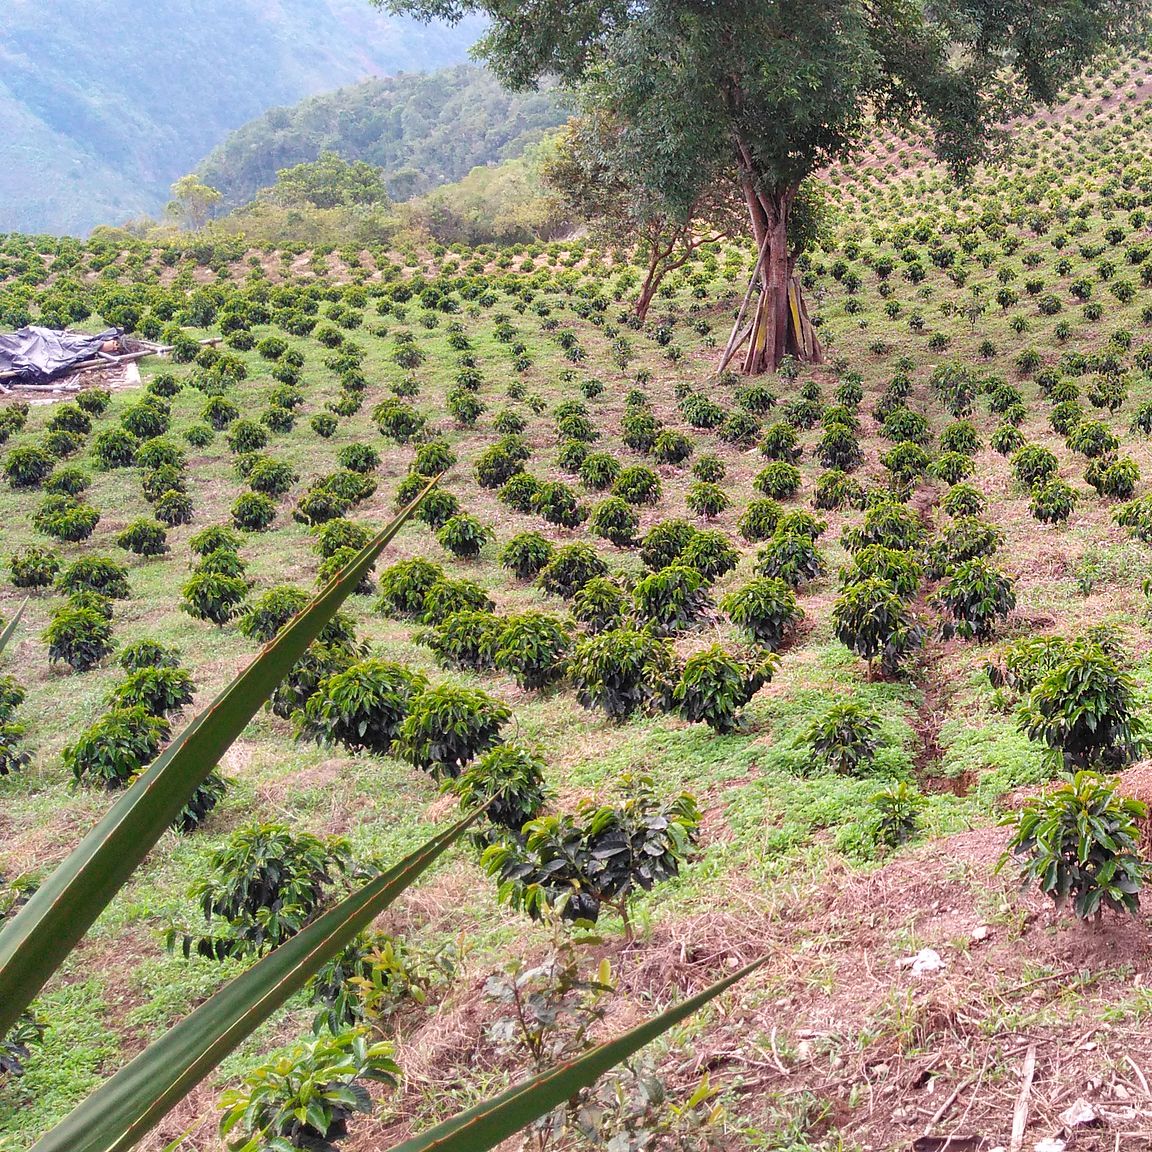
(600, 858)
(845, 736)
(192, 202)
(1086, 710)
(590, 170)
(874, 621)
(1081, 842)
(714, 685)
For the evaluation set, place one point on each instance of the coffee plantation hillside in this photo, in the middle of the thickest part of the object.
(742, 667)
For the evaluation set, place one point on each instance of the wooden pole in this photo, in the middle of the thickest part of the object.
(732, 345)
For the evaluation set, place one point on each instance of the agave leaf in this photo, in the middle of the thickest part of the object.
(126, 1107)
(488, 1124)
(38, 939)
(10, 627)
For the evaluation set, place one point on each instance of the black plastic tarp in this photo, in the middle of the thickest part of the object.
(40, 355)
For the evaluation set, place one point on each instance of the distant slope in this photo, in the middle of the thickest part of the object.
(425, 130)
(105, 102)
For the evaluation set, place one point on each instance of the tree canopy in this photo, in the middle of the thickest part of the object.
(774, 90)
(330, 182)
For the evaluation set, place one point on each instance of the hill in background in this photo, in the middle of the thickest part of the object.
(106, 102)
(423, 130)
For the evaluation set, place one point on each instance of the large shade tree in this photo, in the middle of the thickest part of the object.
(772, 91)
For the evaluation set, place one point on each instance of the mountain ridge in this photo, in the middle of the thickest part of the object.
(107, 102)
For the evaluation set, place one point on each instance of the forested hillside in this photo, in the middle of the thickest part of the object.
(106, 102)
(424, 130)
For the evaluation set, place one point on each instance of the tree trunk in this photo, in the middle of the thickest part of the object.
(780, 324)
(651, 283)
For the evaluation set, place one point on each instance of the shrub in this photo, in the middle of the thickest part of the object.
(600, 605)
(709, 467)
(570, 568)
(247, 436)
(219, 413)
(639, 430)
(96, 574)
(599, 470)
(1086, 709)
(845, 736)
(519, 493)
(671, 600)
(765, 609)
(577, 866)
(272, 477)
(715, 685)
(791, 557)
(253, 512)
(68, 482)
(638, 485)
(1033, 464)
(116, 747)
(557, 503)
(526, 555)
(664, 543)
(1081, 841)
(1006, 440)
(897, 814)
(34, 567)
(532, 647)
(614, 520)
(147, 654)
(404, 587)
(160, 453)
(622, 671)
(265, 885)
(464, 640)
(871, 619)
(144, 538)
(212, 539)
(499, 462)
(706, 499)
(464, 536)
(362, 457)
(94, 401)
(360, 707)
(448, 596)
(146, 418)
(1092, 438)
(888, 524)
(305, 1098)
(966, 538)
(160, 690)
(1114, 477)
(1053, 502)
(508, 778)
(779, 480)
(213, 596)
(447, 727)
(976, 596)
(963, 500)
(671, 447)
(839, 447)
(431, 459)
(398, 421)
(759, 520)
(901, 569)
(907, 462)
(952, 467)
(781, 442)
(711, 553)
(115, 448)
(28, 466)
